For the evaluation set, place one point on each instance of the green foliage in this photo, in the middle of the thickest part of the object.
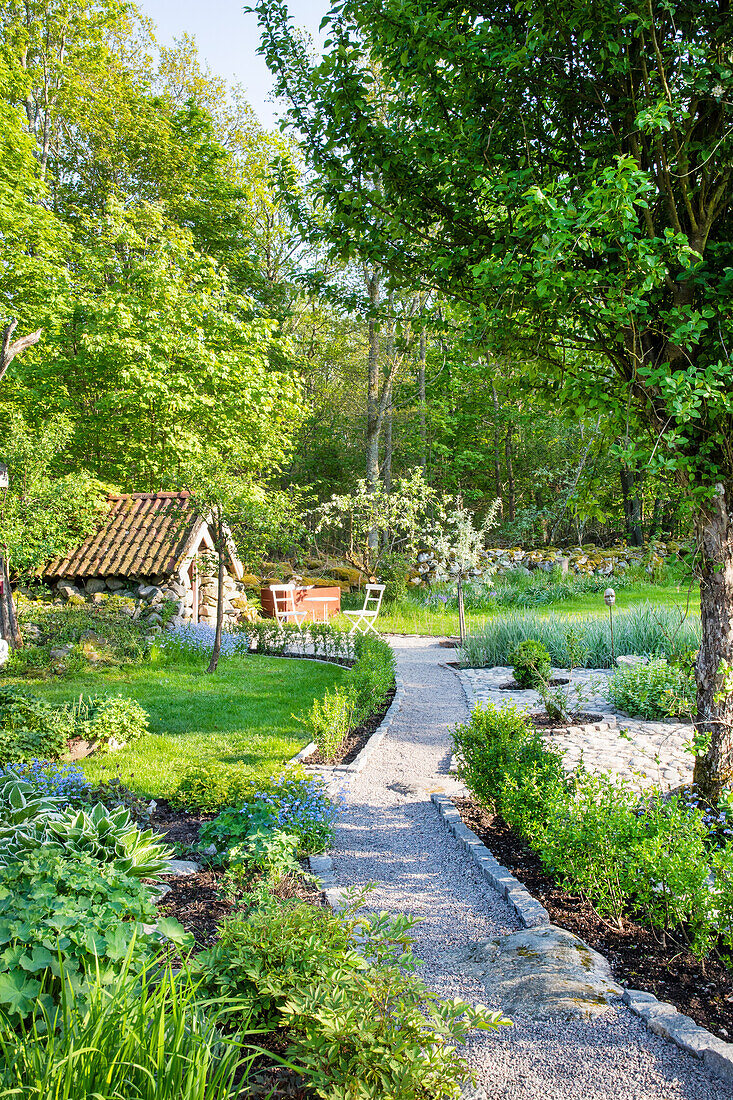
(651, 859)
(111, 720)
(41, 515)
(371, 677)
(329, 720)
(531, 664)
(71, 910)
(393, 573)
(210, 788)
(108, 625)
(657, 690)
(363, 692)
(273, 853)
(361, 1024)
(647, 630)
(30, 728)
(102, 1047)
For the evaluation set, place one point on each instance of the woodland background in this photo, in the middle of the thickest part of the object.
(148, 228)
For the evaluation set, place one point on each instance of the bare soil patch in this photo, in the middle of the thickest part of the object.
(578, 718)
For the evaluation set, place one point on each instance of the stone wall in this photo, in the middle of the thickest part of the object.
(584, 560)
(145, 598)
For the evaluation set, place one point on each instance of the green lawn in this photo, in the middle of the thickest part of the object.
(242, 714)
(407, 616)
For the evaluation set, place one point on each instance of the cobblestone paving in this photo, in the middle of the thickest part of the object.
(642, 753)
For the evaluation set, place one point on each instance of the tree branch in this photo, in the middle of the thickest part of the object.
(9, 351)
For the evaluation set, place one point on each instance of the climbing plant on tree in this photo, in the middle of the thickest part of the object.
(563, 171)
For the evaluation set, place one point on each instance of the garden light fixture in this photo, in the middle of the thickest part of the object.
(610, 597)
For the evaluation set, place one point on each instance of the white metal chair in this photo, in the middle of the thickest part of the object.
(283, 597)
(364, 618)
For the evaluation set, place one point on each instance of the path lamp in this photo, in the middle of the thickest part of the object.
(610, 597)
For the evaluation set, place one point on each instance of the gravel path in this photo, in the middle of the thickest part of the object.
(391, 835)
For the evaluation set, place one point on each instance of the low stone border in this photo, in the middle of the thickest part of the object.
(661, 1018)
(530, 912)
(360, 761)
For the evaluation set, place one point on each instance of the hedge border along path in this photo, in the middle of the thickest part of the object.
(390, 834)
(661, 1017)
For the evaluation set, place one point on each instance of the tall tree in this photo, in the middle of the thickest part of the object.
(569, 171)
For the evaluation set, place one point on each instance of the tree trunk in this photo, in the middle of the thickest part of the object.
(511, 493)
(8, 350)
(9, 629)
(373, 419)
(630, 480)
(219, 604)
(421, 398)
(461, 611)
(387, 463)
(714, 530)
(389, 368)
(497, 451)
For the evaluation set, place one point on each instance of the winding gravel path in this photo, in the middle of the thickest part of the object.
(390, 834)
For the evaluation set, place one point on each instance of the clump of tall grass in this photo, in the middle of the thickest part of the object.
(152, 1037)
(647, 630)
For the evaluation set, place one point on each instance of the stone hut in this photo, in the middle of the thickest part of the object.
(152, 547)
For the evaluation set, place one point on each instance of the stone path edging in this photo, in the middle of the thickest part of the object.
(661, 1018)
(530, 911)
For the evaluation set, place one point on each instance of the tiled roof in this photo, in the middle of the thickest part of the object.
(145, 535)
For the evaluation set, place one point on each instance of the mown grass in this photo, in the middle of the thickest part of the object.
(410, 616)
(241, 714)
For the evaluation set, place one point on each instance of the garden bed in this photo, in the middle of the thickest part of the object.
(355, 740)
(702, 990)
(198, 901)
(579, 718)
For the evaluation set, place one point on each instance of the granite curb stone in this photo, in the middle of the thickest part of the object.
(661, 1018)
(530, 912)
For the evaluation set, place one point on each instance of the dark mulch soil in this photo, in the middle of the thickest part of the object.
(512, 685)
(179, 827)
(579, 718)
(352, 745)
(639, 958)
(198, 901)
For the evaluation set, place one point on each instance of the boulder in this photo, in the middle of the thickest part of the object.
(95, 584)
(114, 584)
(631, 660)
(544, 973)
(154, 619)
(149, 592)
(67, 590)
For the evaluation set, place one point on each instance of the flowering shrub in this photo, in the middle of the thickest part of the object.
(291, 803)
(50, 779)
(195, 639)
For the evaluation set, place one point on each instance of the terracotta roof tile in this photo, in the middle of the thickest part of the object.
(145, 534)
